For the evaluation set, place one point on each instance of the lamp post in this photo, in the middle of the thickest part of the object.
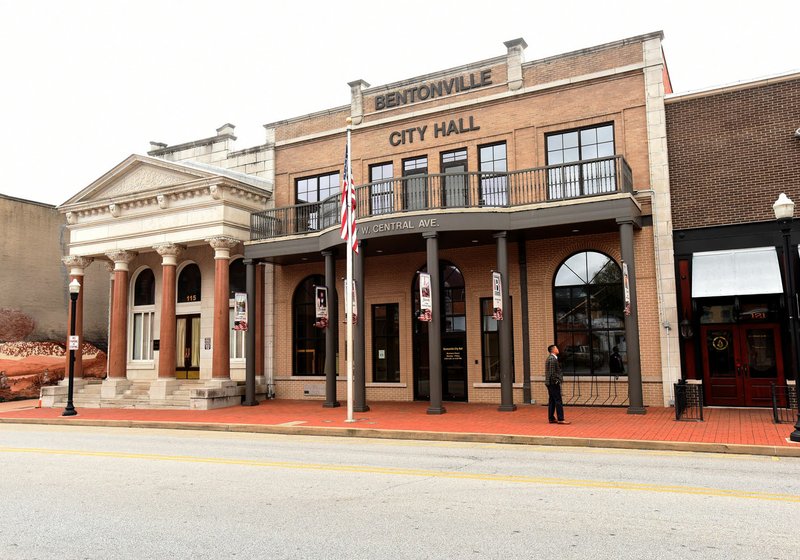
(784, 213)
(74, 290)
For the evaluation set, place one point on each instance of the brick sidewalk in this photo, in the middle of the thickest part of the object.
(724, 429)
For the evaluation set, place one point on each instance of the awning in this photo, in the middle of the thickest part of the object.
(739, 272)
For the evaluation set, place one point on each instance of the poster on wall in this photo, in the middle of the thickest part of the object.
(321, 306)
(240, 311)
(425, 300)
(497, 296)
(627, 289)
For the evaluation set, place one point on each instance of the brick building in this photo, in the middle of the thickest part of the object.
(725, 176)
(551, 172)
(537, 191)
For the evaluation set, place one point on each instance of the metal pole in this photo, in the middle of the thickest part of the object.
(70, 409)
(348, 289)
(791, 306)
(250, 336)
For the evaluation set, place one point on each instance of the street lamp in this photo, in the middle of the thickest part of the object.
(74, 290)
(784, 213)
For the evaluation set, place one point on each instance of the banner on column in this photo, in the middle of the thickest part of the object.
(425, 299)
(627, 288)
(497, 296)
(321, 299)
(240, 311)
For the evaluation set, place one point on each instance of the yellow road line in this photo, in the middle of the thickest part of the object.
(575, 483)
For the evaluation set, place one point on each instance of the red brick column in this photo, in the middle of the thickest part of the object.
(76, 267)
(169, 261)
(118, 343)
(220, 346)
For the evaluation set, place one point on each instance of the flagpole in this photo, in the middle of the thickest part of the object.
(348, 293)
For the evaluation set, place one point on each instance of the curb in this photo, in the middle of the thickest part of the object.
(468, 437)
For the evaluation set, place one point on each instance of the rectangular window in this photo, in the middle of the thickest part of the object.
(494, 182)
(595, 146)
(415, 186)
(386, 343)
(490, 342)
(142, 343)
(454, 169)
(381, 188)
(237, 343)
(320, 188)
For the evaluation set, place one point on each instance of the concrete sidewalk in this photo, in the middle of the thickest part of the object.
(725, 430)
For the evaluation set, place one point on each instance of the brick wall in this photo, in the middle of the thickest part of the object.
(732, 152)
(544, 258)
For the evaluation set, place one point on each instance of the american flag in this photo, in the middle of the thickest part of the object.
(348, 230)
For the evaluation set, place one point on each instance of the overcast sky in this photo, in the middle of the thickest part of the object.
(86, 83)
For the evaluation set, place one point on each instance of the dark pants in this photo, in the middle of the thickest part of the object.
(554, 405)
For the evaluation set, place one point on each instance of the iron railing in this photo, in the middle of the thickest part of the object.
(453, 190)
(688, 401)
(784, 404)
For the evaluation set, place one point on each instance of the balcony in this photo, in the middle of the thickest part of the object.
(414, 193)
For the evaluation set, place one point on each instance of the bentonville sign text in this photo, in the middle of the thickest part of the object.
(432, 90)
(400, 225)
(440, 130)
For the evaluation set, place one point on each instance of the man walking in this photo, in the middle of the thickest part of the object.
(552, 379)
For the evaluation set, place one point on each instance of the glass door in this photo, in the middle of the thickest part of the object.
(741, 362)
(187, 347)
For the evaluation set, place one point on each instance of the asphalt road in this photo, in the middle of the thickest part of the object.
(102, 493)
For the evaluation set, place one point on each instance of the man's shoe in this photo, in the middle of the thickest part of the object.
(552, 422)
(564, 422)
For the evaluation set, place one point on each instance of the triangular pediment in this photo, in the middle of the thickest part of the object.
(137, 175)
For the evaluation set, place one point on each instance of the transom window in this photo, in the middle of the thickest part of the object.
(588, 301)
(583, 144)
(493, 166)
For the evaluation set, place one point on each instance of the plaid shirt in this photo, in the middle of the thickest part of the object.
(552, 370)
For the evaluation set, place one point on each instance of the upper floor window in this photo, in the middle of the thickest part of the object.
(593, 177)
(381, 189)
(454, 179)
(493, 164)
(320, 188)
(415, 187)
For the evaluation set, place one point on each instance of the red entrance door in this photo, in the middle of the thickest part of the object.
(740, 363)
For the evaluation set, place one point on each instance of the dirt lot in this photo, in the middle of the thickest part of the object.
(26, 366)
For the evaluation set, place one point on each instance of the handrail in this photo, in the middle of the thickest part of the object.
(474, 189)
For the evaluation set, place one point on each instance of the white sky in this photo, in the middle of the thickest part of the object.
(86, 83)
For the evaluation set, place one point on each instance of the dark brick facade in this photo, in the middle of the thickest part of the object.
(732, 152)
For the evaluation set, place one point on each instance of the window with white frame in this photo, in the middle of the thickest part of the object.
(238, 283)
(143, 313)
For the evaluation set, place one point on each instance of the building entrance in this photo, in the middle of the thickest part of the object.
(740, 362)
(452, 313)
(187, 347)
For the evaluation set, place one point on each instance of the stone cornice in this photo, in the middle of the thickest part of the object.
(215, 188)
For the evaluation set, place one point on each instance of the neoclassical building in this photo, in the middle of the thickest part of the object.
(550, 175)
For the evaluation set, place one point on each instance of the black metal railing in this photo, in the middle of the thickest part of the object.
(784, 404)
(453, 190)
(688, 401)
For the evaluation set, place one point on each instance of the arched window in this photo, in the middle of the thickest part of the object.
(308, 341)
(189, 284)
(142, 314)
(588, 302)
(238, 284)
